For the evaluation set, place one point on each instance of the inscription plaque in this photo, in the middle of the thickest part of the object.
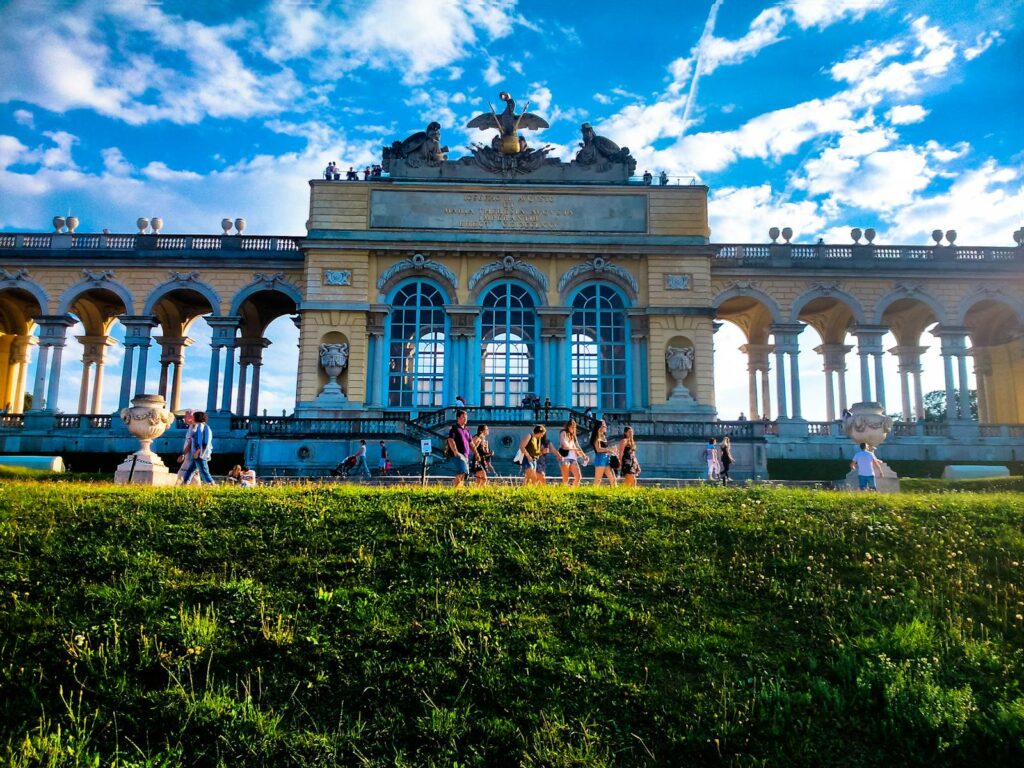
(509, 211)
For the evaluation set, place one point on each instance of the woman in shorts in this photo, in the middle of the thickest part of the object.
(532, 450)
(571, 454)
(602, 454)
(481, 455)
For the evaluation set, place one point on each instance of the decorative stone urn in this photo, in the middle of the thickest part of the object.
(147, 419)
(72, 224)
(867, 423)
(142, 223)
(333, 359)
(58, 224)
(157, 224)
(225, 224)
(679, 361)
(240, 225)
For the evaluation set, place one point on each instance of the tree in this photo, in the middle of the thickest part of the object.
(935, 404)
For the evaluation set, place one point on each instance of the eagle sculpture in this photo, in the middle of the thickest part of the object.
(508, 123)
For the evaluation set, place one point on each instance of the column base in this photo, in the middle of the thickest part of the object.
(144, 469)
(887, 481)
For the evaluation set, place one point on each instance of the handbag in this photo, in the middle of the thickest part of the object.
(519, 457)
(613, 461)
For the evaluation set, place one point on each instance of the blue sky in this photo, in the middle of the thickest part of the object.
(815, 114)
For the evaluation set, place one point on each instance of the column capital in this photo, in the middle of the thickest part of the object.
(224, 329)
(21, 348)
(954, 339)
(639, 324)
(138, 329)
(758, 356)
(553, 321)
(173, 348)
(786, 335)
(53, 329)
(462, 320)
(95, 348)
(834, 356)
(376, 319)
(251, 350)
(909, 357)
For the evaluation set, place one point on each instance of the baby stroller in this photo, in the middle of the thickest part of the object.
(345, 467)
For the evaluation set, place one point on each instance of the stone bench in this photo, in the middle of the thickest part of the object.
(973, 472)
(45, 463)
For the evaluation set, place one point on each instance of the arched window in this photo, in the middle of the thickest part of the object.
(598, 349)
(416, 347)
(508, 327)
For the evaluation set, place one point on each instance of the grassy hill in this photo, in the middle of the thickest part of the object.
(347, 626)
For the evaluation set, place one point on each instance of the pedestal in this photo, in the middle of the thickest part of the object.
(144, 468)
(887, 481)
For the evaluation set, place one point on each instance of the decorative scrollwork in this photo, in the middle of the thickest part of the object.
(509, 264)
(269, 280)
(600, 265)
(97, 277)
(418, 263)
(184, 277)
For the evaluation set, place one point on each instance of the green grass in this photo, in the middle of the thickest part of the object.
(345, 626)
(980, 485)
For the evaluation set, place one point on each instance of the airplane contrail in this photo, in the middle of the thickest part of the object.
(709, 29)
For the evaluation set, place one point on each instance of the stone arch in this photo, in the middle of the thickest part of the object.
(407, 279)
(18, 282)
(533, 280)
(627, 300)
(752, 292)
(988, 293)
(188, 283)
(271, 285)
(913, 293)
(103, 282)
(826, 292)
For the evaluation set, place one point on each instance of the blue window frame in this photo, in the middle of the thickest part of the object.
(416, 347)
(508, 328)
(598, 349)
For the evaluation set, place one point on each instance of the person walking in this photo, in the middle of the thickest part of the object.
(711, 456)
(571, 454)
(202, 450)
(865, 462)
(185, 459)
(481, 455)
(602, 454)
(460, 447)
(531, 449)
(628, 463)
(726, 460)
(384, 463)
(361, 466)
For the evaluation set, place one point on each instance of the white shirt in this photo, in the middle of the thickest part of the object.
(203, 437)
(865, 461)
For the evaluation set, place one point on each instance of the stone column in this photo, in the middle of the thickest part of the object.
(834, 364)
(462, 330)
(983, 377)
(758, 360)
(225, 329)
(138, 330)
(786, 343)
(780, 383)
(639, 331)
(553, 322)
(910, 366)
(94, 353)
(869, 348)
(954, 346)
(172, 354)
(21, 350)
(965, 386)
(251, 355)
(52, 338)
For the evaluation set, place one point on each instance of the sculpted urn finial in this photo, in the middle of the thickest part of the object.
(680, 362)
(146, 419)
(867, 423)
(333, 359)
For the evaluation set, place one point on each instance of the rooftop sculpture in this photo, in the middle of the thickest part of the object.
(421, 156)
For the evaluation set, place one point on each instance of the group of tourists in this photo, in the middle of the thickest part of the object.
(719, 460)
(472, 454)
(333, 173)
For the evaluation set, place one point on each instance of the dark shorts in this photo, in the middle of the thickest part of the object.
(867, 481)
(461, 465)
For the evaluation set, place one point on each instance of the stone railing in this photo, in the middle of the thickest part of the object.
(92, 243)
(824, 254)
(12, 421)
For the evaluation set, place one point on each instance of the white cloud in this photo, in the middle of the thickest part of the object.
(745, 214)
(11, 151)
(981, 44)
(24, 117)
(115, 163)
(59, 157)
(160, 172)
(822, 13)
(492, 75)
(764, 30)
(906, 114)
(600, 98)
